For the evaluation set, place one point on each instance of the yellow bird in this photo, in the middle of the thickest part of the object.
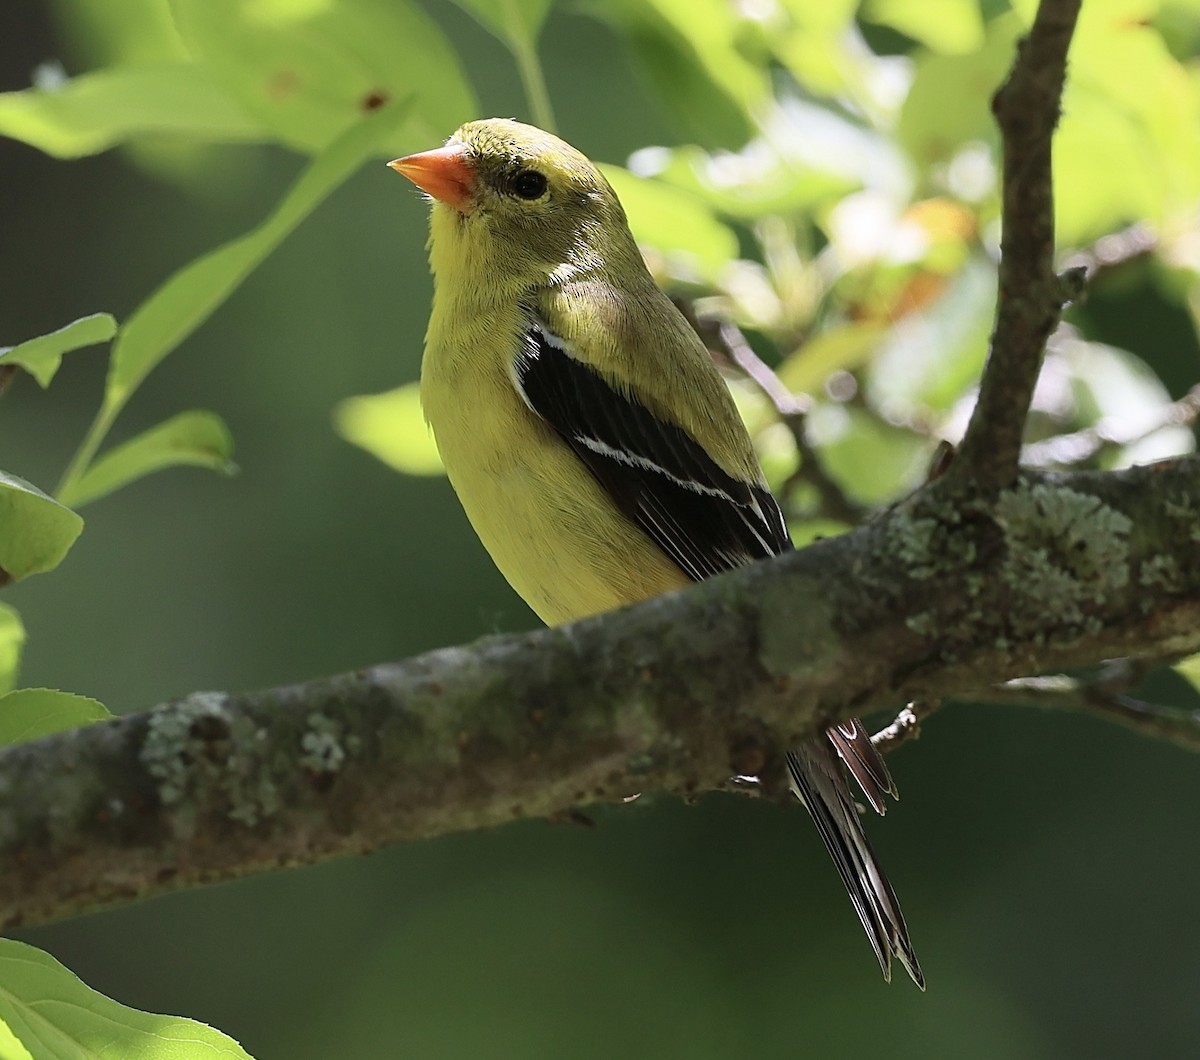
(592, 442)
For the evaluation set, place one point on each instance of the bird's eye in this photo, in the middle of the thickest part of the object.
(528, 184)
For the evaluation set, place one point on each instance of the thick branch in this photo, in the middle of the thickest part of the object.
(1031, 296)
(936, 597)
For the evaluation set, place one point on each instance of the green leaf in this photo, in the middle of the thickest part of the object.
(928, 360)
(1142, 124)
(35, 530)
(310, 69)
(509, 18)
(952, 27)
(841, 348)
(196, 438)
(12, 640)
(41, 356)
(760, 180)
(517, 23)
(674, 222)
(93, 112)
(874, 460)
(392, 427)
(54, 1014)
(187, 298)
(29, 713)
(949, 103)
(688, 51)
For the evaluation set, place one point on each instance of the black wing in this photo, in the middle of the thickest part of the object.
(706, 520)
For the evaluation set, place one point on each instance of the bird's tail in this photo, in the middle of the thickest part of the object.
(819, 782)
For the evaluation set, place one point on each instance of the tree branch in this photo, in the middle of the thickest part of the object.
(933, 598)
(1030, 296)
(1104, 698)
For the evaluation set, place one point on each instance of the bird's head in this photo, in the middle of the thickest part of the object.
(509, 197)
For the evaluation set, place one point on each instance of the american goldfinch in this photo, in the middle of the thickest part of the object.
(592, 442)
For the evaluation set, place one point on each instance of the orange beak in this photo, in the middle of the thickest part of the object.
(443, 173)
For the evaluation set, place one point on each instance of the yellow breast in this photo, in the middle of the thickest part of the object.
(550, 528)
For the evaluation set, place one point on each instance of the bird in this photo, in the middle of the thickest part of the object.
(591, 440)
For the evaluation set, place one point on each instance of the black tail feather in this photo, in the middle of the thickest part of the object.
(853, 744)
(820, 784)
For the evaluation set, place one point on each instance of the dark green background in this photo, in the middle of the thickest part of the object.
(1047, 864)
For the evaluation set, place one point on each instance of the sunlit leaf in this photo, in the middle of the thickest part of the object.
(392, 427)
(758, 181)
(93, 112)
(54, 1014)
(35, 530)
(1142, 123)
(310, 69)
(29, 713)
(841, 348)
(12, 640)
(196, 439)
(952, 27)
(1189, 670)
(186, 299)
(10, 1048)
(874, 461)
(949, 103)
(673, 222)
(929, 358)
(41, 356)
(827, 16)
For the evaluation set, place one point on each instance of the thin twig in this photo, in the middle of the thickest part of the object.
(1078, 446)
(1101, 698)
(1111, 251)
(1031, 296)
(725, 338)
(907, 725)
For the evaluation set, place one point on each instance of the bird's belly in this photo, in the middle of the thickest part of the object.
(554, 533)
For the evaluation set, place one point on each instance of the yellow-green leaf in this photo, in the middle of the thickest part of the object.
(674, 222)
(949, 103)
(196, 438)
(54, 1014)
(41, 356)
(310, 69)
(1189, 670)
(187, 298)
(35, 530)
(841, 348)
(391, 426)
(12, 640)
(509, 18)
(29, 713)
(952, 27)
(95, 111)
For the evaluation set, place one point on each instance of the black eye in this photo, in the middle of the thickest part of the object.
(527, 184)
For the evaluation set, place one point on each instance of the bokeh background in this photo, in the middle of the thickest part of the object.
(1047, 863)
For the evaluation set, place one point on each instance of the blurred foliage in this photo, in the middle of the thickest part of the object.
(825, 175)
